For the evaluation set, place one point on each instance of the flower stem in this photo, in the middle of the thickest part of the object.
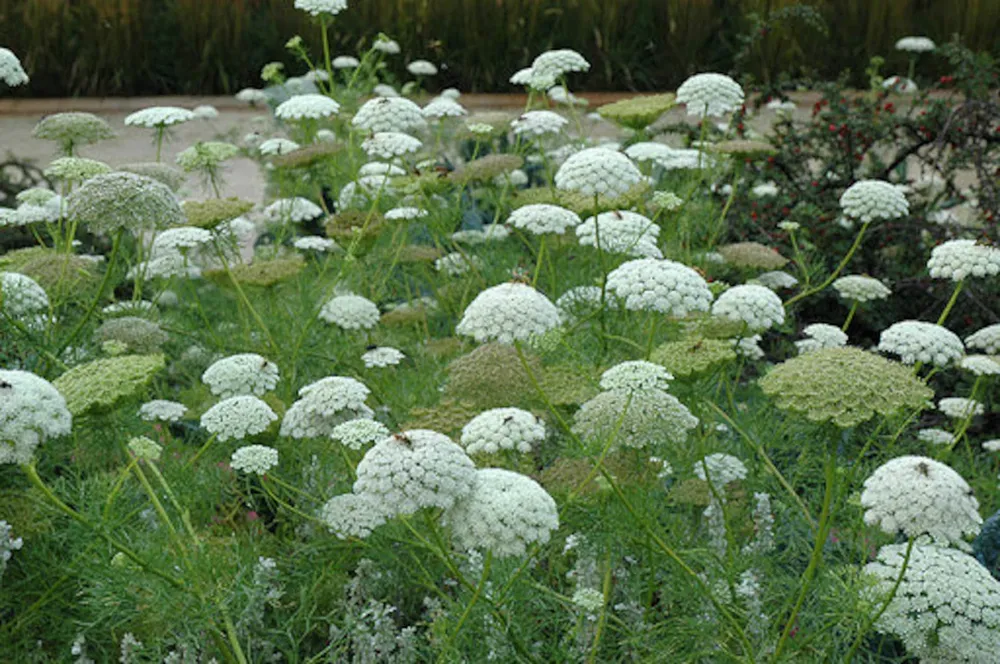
(951, 302)
(833, 275)
(885, 604)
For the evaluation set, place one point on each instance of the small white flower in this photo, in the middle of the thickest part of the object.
(868, 200)
(293, 209)
(980, 365)
(935, 436)
(158, 117)
(315, 243)
(621, 232)
(252, 96)
(454, 264)
(722, 469)
(246, 373)
(508, 312)
(987, 339)
(756, 306)
(916, 341)
(307, 107)
(538, 123)
(381, 357)
(442, 107)
(915, 44)
(597, 171)
(277, 146)
(355, 434)
(556, 63)
(422, 68)
(325, 404)
(162, 410)
(237, 418)
(960, 408)
(710, 95)
(390, 144)
(254, 459)
(777, 280)
(385, 45)
(861, 288)
(345, 62)
(11, 71)
(405, 213)
(389, 114)
(502, 429)
(542, 218)
(21, 296)
(31, 411)
(900, 84)
(318, 7)
(958, 259)
(821, 335)
(992, 445)
(636, 376)
(351, 312)
(353, 515)
(648, 284)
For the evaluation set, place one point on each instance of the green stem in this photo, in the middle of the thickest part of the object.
(951, 302)
(234, 642)
(817, 554)
(833, 275)
(116, 243)
(850, 316)
(472, 602)
(885, 604)
(36, 481)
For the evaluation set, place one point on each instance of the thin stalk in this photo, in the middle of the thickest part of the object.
(817, 554)
(885, 604)
(850, 316)
(951, 302)
(115, 245)
(472, 602)
(833, 275)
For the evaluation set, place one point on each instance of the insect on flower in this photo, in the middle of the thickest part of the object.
(402, 437)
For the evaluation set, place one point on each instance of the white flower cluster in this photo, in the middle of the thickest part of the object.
(355, 434)
(353, 515)
(391, 114)
(442, 107)
(306, 107)
(8, 543)
(245, 373)
(635, 419)
(455, 264)
(598, 171)
(20, 295)
(415, 469)
(935, 436)
(405, 213)
(986, 339)
(917, 341)
(636, 376)
(384, 356)
(538, 123)
(578, 302)
(422, 68)
(722, 469)
(648, 284)
(542, 218)
(350, 312)
(31, 411)
(980, 365)
(276, 146)
(777, 280)
(11, 71)
(757, 306)
(390, 144)
(710, 94)
(508, 312)
(315, 243)
(960, 408)
(821, 335)
(237, 417)
(293, 209)
(345, 62)
(505, 513)
(958, 259)
(947, 607)
(502, 429)
(917, 496)
(159, 116)
(317, 7)
(621, 232)
(915, 44)
(162, 410)
(860, 288)
(324, 404)
(175, 240)
(868, 200)
(254, 459)
(124, 201)
(251, 96)
(558, 62)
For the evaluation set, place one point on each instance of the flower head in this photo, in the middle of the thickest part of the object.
(860, 288)
(306, 107)
(254, 459)
(293, 209)
(722, 469)
(508, 312)
(821, 335)
(504, 513)
(538, 123)
(99, 385)
(72, 129)
(556, 63)
(502, 429)
(21, 296)
(621, 232)
(238, 417)
(158, 117)
(11, 71)
(161, 410)
(598, 171)
(442, 107)
(958, 259)
(75, 169)
(756, 306)
(350, 312)
(383, 356)
(144, 448)
(917, 341)
(31, 411)
(634, 418)
(324, 404)
(321, 7)
(415, 469)
(960, 408)
(355, 434)
(277, 146)
(916, 44)
(390, 144)
(422, 68)
(648, 284)
(710, 95)
(980, 365)
(389, 114)
(868, 200)
(124, 201)
(353, 515)
(987, 339)
(636, 376)
(206, 155)
(846, 386)
(245, 373)
(945, 609)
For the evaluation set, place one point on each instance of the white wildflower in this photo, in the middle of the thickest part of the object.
(597, 171)
(162, 410)
(381, 357)
(350, 312)
(710, 95)
(238, 417)
(508, 312)
(868, 200)
(648, 284)
(958, 259)
(502, 429)
(355, 434)
(306, 107)
(254, 459)
(31, 411)
(916, 341)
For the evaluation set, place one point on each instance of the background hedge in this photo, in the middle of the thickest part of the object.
(133, 47)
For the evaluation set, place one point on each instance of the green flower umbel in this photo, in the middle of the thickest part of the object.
(99, 385)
